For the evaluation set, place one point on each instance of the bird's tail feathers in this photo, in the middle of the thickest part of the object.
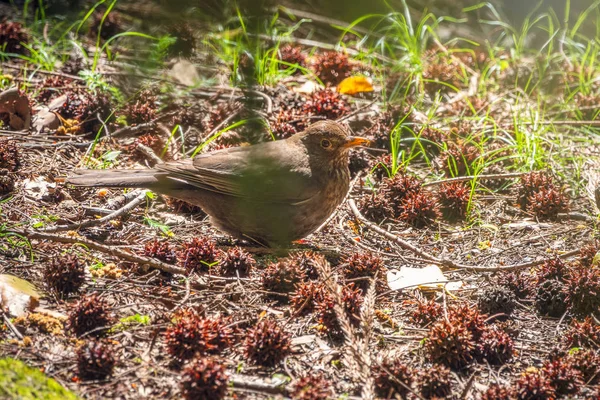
(145, 178)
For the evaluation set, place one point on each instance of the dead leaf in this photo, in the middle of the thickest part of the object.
(16, 106)
(17, 296)
(430, 277)
(45, 120)
(58, 103)
(38, 187)
(355, 84)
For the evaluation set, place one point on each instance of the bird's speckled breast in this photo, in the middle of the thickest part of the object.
(314, 213)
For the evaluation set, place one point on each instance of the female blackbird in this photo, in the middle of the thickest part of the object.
(271, 193)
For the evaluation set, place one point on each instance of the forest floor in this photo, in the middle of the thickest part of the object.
(463, 263)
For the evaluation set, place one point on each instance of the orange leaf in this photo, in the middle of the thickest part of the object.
(355, 84)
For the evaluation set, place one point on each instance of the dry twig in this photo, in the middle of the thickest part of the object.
(445, 262)
(139, 199)
(111, 250)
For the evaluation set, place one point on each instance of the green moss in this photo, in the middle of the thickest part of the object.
(18, 381)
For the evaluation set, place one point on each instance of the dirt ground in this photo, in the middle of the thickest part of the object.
(482, 168)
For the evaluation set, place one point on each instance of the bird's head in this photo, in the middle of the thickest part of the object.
(329, 142)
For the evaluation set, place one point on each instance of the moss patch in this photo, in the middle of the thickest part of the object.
(18, 381)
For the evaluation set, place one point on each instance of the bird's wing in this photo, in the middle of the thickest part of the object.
(265, 173)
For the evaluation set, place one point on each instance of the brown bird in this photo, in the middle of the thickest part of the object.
(271, 193)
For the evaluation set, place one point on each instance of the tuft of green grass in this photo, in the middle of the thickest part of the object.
(216, 135)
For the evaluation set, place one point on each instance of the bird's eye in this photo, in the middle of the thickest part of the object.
(325, 143)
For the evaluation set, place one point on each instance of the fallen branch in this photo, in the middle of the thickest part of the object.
(112, 204)
(445, 262)
(255, 384)
(115, 202)
(149, 153)
(140, 198)
(113, 251)
(130, 130)
(575, 216)
(40, 71)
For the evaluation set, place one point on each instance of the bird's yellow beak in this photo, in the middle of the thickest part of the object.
(354, 141)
